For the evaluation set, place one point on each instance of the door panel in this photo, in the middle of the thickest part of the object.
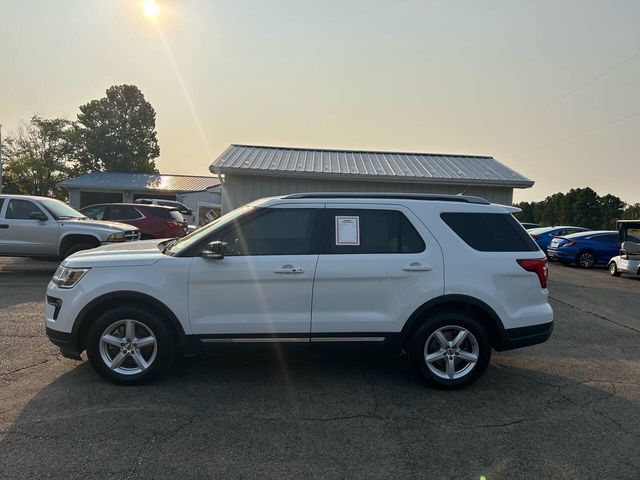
(373, 292)
(21, 235)
(248, 294)
(264, 283)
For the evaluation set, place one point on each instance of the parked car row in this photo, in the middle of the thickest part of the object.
(618, 250)
(33, 226)
(153, 221)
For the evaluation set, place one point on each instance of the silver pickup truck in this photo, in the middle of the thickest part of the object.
(44, 227)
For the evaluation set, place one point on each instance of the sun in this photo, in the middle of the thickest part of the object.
(151, 8)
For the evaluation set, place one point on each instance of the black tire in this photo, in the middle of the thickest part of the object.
(76, 247)
(613, 269)
(424, 334)
(165, 345)
(586, 259)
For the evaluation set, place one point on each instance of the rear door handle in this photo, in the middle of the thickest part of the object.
(289, 269)
(416, 267)
(4, 225)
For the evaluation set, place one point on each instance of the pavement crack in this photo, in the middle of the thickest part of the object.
(500, 425)
(602, 317)
(7, 374)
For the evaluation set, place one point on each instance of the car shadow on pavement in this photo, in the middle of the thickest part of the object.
(18, 277)
(322, 413)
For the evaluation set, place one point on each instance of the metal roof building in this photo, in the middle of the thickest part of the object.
(252, 172)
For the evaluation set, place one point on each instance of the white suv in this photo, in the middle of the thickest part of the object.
(442, 278)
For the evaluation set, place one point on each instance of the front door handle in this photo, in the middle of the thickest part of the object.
(4, 225)
(289, 269)
(416, 267)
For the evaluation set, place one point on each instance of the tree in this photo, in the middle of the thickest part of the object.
(579, 206)
(117, 133)
(38, 156)
(632, 212)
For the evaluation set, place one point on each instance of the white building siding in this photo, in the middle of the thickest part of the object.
(240, 189)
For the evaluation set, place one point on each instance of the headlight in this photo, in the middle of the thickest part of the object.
(67, 277)
(116, 237)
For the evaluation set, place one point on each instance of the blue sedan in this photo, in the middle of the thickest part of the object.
(586, 249)
(544, 235)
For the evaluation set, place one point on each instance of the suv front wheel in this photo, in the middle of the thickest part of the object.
(449, 350)
(129, 345)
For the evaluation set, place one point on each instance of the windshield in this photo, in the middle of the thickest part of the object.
(60, 210)
(195, 237)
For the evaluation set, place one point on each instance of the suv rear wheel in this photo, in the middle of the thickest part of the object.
(130, 346)
(449, 350)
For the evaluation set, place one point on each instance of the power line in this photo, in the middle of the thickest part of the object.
(567, 94)
(579, 134)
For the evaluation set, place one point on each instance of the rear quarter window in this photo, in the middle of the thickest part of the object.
(490, 232)
(167, 214)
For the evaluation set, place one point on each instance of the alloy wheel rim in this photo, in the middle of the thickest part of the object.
(451, 352)
(612, 268)
(128, 347)
(586, 259)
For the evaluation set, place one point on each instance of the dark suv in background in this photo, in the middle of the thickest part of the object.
(153, 221)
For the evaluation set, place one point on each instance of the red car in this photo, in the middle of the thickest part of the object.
(153, 221)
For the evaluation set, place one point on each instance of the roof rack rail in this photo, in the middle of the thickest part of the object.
(391, 196)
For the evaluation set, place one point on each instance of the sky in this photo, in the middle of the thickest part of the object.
(550, 88)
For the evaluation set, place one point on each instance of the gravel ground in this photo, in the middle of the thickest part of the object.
(564, 409)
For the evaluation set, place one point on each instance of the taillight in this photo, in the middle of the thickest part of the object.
(538, 266)
(174, 224)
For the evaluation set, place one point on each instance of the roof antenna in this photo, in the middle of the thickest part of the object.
(464, 192)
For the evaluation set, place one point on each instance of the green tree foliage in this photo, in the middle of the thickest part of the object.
(117, 133)
(632, 212)
(38, 155)
(579, 206)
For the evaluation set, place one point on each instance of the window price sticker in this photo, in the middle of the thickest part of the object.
(347, 230)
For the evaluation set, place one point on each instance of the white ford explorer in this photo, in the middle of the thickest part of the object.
(443, 279)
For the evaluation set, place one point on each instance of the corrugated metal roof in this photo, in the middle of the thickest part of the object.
(369, 165)
(142, 181)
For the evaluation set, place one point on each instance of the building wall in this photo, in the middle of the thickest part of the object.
(240, 189)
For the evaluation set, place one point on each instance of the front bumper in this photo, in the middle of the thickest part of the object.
(65, 341)
(525, 336)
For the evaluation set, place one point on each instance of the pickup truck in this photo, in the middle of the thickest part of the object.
(44, 227)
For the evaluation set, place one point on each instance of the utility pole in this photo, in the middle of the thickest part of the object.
(0, 158)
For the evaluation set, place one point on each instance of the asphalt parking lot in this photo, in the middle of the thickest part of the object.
(565, 409)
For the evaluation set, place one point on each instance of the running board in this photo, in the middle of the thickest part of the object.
(291, 339)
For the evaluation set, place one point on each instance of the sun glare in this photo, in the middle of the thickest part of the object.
(151, 8)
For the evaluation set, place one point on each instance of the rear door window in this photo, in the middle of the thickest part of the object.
(378, 231)
(607, 238)
(490, 232)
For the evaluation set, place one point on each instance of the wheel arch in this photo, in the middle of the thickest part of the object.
(486, 316)
(130, 298)
(70, 238)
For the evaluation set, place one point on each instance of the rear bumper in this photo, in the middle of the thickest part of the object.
(65, 341)
(558, 254)
(525, 336)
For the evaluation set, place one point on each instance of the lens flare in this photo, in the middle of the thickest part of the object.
(151, 8)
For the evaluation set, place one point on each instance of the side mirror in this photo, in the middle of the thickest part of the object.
(41, 217)
(214, 250)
